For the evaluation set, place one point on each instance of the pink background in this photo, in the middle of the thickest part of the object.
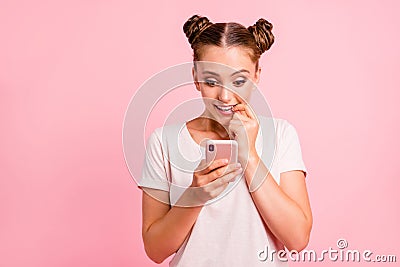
(69, 68)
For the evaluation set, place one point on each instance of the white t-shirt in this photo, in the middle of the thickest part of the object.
(229, 231)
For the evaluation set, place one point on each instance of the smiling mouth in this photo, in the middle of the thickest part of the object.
(225, 108)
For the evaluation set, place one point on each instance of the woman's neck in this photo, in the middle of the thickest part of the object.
(206, 124)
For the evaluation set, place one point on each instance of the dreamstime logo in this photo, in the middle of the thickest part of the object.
(340, 254)
(150, 100)
(342, 243)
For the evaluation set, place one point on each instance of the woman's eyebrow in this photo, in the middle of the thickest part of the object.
(210, 72)
(240, 71)
(216, 74)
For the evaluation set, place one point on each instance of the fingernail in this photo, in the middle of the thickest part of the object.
(238, 165)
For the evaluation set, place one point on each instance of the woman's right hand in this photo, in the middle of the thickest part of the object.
(209, 181)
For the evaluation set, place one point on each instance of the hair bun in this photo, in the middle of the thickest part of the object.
(194, 26)
(262, 32)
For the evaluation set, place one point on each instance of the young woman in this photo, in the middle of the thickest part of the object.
(268, 209)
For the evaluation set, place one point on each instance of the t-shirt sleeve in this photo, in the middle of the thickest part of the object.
(154, 173)
(290, 151)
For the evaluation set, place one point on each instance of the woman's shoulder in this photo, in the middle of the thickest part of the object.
(167, 130)
(279, 124)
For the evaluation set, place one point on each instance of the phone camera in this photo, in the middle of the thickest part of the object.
(211, 148)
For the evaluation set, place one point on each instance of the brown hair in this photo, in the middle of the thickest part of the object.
(258, 38)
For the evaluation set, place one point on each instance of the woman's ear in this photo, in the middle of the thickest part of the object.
(196, 82)
(257, 75)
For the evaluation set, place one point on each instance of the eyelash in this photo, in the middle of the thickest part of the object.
(213, 83)
(239, 83)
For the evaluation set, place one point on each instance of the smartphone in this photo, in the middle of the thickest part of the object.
(219, 149)
(222, 149)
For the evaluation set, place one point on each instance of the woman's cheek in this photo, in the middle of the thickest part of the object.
(243, 95)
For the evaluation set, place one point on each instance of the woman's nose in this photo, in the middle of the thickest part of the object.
(225, 95)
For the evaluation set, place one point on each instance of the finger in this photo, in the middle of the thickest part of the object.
(241, 112)
(244, 110)
(233, 127)
(239, 107)
(236, 121)
(202, 166)
(215, 174)
(240, 117)
(214, 165)
(232, 175)
(223, 180)
(236, 126)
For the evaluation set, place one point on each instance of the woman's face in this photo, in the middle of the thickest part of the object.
(225, 77)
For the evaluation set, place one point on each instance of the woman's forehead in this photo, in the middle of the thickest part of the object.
(220, 69)
(226, 60)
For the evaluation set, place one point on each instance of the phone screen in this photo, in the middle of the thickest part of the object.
(219, 149)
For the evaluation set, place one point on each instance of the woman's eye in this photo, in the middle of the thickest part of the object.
(211, 83)
(239, 83)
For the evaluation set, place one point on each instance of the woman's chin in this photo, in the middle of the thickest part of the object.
(218, 116)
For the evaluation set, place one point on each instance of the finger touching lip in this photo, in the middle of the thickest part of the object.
(238, 106)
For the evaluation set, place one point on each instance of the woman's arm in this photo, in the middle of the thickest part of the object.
(165, 228)
(285, 209)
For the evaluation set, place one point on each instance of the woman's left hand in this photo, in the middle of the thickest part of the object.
(244, 129)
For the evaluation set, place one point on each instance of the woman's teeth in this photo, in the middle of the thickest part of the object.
(224, 108)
